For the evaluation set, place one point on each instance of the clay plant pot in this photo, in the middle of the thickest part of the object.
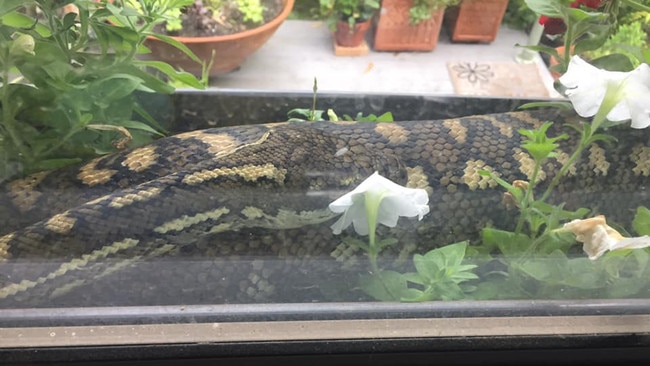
(230, 51)
(351, 37)
(394, 31)
(475, 20)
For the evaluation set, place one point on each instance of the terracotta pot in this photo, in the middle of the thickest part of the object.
(394, 31)
(347, 37)
(475, 20)
(230, 50)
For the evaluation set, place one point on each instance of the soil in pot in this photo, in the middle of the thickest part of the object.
(351, 37)
(199, 21)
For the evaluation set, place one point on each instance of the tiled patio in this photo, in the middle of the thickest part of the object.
(302, 50)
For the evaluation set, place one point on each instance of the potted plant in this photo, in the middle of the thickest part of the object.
(66, 96)
(223, 33)
(410, 25)
(475, 20)
(350, 19)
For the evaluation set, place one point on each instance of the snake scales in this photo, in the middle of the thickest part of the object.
(239, 214)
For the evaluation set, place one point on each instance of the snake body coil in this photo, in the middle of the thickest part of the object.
(231, 214)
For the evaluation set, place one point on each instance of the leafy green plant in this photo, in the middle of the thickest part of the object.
(252, 9)
(642, 17)
(518, 15)
(306, 10)
(641, 222)
(68, 81)
(351, 11)
(587, 30)
(534, 258)
(440, 275)
(204, 17)
(313, 115)
(422, 10)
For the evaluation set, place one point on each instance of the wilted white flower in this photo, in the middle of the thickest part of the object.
(388, 198)
(598, 237)
(587, 85)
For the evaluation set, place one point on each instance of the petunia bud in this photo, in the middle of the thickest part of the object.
(23, 44)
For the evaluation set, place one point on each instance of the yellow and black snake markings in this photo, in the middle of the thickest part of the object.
(232, 192)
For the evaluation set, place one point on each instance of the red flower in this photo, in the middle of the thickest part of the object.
(556, 25)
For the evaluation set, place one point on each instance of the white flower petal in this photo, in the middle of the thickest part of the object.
(348, 218)
(344, 202)
(640, 118)
(632, 243)
(586, 87)
(637, 96)
(396, 201)
(577, 73)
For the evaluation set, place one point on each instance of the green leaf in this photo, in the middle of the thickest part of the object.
(9, 5)
(414, 278)
(137, 108)
(384, 243)
(386, 286)
(138, 126)
(429, 267)
(181, 76)
(53, 164)
(385, 117)
(173, 42)
(508, 243)
(565, 106)
(149, 83)
(116, 86)
(578, 14)
(641, 222)
(614, 62)
(538, 145)
(516, 192)
(443, 264)
(463, 274)
(453, 254)
(596, 35)
(550, 8)
(22, 21)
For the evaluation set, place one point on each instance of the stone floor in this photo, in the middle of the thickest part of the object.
(302, 50)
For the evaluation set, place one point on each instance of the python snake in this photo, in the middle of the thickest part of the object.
(239, 214)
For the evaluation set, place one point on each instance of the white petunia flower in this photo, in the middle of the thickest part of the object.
(598, 237)
(587, 85)
(390, 199)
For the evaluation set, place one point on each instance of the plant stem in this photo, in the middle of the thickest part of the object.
(610, 100)
(526, 199)
(312, 114)
(556, 180)
(568, 41)
(372, 203)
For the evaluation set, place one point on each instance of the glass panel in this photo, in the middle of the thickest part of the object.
(245, 218)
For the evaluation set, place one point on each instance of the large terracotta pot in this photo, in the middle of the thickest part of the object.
(230, 50)
(476, 20)
(394, 31)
